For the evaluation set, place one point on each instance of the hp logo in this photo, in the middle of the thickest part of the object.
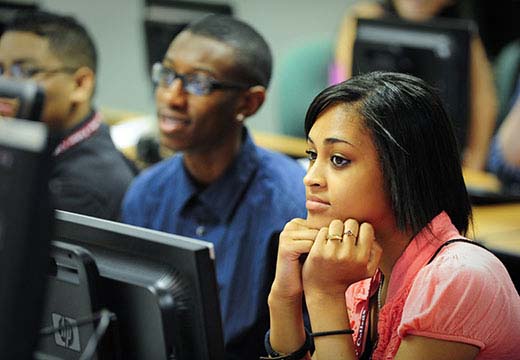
(68, 335)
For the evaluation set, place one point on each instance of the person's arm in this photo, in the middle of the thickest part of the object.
(73, 195)
(419, 347)
(347, 35)
(332, 266)
(507, 136)
(287, 333)
(328, 313)
(411, 348)
(483, 108)
(504, 157)
(441, 318)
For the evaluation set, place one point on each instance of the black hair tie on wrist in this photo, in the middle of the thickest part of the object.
(306, 347)
(332, 332)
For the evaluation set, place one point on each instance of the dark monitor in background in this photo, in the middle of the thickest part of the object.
(161, 287)
(438, 52)
(8, 8)
(164, 19)
(25, 222)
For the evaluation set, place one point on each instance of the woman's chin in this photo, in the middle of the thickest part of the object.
(317, 221)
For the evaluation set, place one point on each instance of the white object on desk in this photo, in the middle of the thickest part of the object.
(127, 133)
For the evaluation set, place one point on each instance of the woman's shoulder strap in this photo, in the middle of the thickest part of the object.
(452, 241)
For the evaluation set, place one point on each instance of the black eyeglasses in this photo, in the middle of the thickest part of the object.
(20, 71)
(196, 84)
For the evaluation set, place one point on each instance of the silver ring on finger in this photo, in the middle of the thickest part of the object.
(349, 232)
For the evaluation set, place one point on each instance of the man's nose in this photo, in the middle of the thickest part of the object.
(173, 94)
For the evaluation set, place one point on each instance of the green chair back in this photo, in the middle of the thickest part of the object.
(302, 74)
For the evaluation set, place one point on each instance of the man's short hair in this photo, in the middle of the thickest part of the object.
(68, 39)
(252, 53)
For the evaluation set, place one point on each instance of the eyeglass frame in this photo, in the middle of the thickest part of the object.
(187, 83)
(30, 72)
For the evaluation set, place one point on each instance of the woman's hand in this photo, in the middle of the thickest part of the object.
(285, 299)
(296, 240)
(342, 254)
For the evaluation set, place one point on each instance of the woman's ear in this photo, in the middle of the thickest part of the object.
(252, 100)
(85, 80)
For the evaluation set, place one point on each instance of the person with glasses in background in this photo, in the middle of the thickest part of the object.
(219, 186)
(89, 175)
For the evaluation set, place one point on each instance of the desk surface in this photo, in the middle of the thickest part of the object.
(497, 226)
(289, 145)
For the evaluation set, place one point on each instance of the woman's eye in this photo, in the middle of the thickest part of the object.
(311, 155)
(339, 161)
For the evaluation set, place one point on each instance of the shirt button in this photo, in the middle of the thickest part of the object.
(200, 231)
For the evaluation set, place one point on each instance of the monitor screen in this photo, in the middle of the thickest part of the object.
(161, 288)
(437, 52)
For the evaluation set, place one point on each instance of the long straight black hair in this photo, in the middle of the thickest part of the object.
(415, 140)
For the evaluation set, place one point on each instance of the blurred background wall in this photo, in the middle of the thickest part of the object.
(119, 31)
(117, 27)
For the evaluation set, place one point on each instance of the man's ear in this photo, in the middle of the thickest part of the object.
(252, 100)
(85, 81)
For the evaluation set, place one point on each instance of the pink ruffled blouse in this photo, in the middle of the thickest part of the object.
(465, 294)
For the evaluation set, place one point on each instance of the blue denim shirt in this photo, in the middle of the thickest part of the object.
(242, 214)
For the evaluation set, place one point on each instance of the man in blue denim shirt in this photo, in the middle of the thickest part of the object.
(220, 187)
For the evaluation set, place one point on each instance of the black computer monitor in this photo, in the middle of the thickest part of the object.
(438, 52)
(21, 99)
(72, 271)
(25, 218)
(164, 19)
(161, 287)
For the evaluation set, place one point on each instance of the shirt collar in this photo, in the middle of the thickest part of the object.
(73, 129)
(186, 187)
(222, 196)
